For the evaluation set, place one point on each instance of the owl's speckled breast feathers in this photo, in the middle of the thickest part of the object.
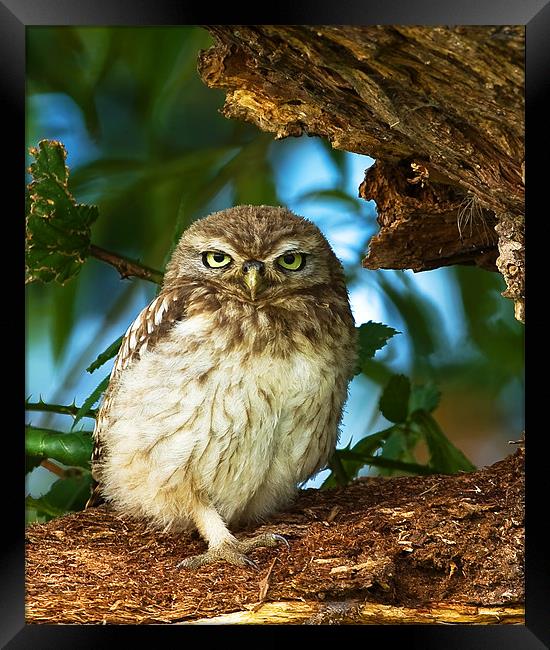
(228, 389)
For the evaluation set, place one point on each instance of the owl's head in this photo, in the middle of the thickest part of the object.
(254, 252)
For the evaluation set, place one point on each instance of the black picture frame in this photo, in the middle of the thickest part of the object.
(15, 16)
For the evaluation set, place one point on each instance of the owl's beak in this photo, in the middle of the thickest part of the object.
(253, 276)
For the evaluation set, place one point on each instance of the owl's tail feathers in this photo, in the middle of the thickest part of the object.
(95, 497)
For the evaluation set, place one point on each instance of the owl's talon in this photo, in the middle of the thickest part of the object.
(280, 538)
(251, 563)
(265, 539)
(234, 553)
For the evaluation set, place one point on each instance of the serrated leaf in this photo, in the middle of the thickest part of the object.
(394, 402)
(395, 448)
(371, 337)
(57, 228)
(50, 161)
(445, 458)
(425, 397)
(107, 354)
(90, 401)
(73, 449)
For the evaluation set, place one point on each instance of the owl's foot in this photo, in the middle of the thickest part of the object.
(233, 552)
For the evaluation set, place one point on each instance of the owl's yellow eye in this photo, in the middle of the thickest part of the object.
(292, 261)
(215, 260)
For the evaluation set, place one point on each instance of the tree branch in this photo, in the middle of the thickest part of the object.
(428, 549)
(353, 612)
(460, 155)
(126, 266)
(53, 468)
(71, 409)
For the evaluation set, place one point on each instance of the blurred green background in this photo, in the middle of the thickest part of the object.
(147, 145)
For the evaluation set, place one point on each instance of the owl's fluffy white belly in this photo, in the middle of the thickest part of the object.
(242, 429)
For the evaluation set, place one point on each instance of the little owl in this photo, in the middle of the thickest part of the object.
(228, 389)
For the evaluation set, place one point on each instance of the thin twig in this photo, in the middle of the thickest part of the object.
(53, 468)
(70, 409)
(126, 266)
(264, 587)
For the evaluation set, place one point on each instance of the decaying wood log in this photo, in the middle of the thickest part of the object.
(420, 221)
(355, 612)
(434, 549)
(441, 107)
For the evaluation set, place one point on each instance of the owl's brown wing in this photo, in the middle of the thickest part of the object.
(151, 324)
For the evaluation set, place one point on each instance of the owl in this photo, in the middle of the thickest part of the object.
(228, 388)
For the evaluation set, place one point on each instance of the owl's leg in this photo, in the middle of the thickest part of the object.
(222, 545)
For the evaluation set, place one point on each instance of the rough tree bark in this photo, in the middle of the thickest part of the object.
(434, 549)
(441, 109)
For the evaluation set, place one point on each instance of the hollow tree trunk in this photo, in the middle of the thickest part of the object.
(441, 109)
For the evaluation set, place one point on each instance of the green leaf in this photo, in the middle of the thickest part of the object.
(394, 402)
(400, 446)
(339, 475)
(74, 449)
(50, 161)
(371, 337)
(69, 494)
(91, 400)
(424, 397)
(395, 448)
(445, 458)
(348, 467)
(31, 514)
(57, 228)
(41, 509)
(107, 354)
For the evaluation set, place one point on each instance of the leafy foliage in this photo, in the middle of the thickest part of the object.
(91, 400)
(371, 337)
(67, 494)
(58, 229)
(394, 403)
(74, 449)
(424, 397)
(107, 354)
(444, 456)
(392, 449)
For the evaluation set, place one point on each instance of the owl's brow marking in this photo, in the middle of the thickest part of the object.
(289, 247)
(218, 247)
